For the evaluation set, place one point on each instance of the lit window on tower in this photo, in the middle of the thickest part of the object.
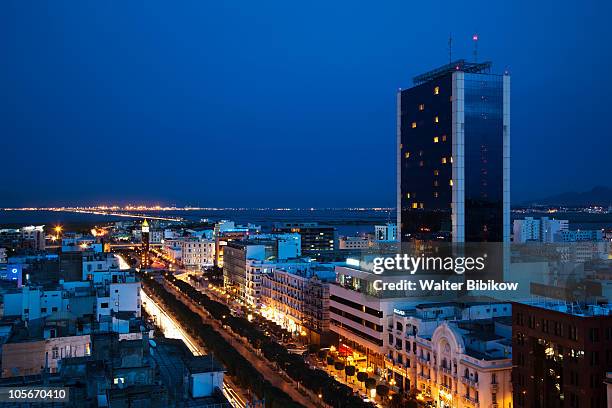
(436, 139)
(436, 172)
(437, 90)
(436, 119)
(413, 125)
(444, 160)
(421, 107)
(407, 155)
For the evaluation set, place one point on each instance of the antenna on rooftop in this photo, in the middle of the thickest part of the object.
(475, 40)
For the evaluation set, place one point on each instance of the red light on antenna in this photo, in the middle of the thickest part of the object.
(475, 37)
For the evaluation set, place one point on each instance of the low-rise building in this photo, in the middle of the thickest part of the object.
(385, 233)
(197, 252)
(358, 242)
(578, 235)
(40, 346)
(226, 231)
(269, 247)
(284, 292)
(457, 353)
(31, 237)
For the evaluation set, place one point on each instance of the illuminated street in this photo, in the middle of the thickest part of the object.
(172, 329)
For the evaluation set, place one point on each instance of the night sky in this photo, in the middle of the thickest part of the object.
(261, 103)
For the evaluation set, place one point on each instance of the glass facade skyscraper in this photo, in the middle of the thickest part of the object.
(453, 159)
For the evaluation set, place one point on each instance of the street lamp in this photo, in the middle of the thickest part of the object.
(58, 231)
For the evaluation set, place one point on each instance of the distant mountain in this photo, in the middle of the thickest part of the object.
(599, 195)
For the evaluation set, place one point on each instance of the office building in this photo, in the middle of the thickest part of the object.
(561, 354)
(317, 240)
(532, 229)
(453, 157)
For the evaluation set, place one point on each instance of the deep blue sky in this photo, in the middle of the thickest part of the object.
(257, 103)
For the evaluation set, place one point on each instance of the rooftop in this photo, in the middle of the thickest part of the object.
(203, 364)
(458, 65)
(575, 309)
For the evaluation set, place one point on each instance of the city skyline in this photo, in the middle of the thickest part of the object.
(186, 97)
(326, 205)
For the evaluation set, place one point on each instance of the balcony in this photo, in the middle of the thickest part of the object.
(423, 360)
(470, 400)
(494, 387)
(469, 381)
(424, 377)
(446, 370)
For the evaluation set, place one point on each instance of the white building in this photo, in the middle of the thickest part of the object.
(288, 246)
(197, 253)
(387, 232)
(172, 248)
(72, 242)
(288, 300)
(35, 234)
(205, 376)
(458, 354)
(578, 235)
(99, 267)
(543, 229)
(357, 315)
(459, 368)
(354, 242)
(31, 303)
(120, 297)
(156, 236)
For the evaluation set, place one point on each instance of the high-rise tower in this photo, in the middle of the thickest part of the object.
(453, 164)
